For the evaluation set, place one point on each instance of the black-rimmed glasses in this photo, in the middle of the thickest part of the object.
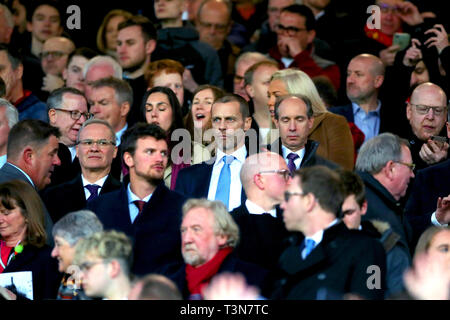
(75, 114)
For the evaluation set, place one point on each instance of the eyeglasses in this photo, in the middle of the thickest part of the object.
(75, 114)
(291, 31)
(218, 27)
(288, 195)
(101, 143)
(86, 266)
(53, 54)
(423, 109)
(286, 174)
(412, 166)
(385, 8)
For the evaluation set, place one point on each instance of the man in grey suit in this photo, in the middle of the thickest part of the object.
(32, 154)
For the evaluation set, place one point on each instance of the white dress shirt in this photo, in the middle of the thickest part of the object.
(318, 236)
(2, 160)
(134, 211)
(99, 182)
(298, 161)
(73, 152)
(253, 208)
(120, 133)
(235, 169)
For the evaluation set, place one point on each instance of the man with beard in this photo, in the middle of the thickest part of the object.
(136, 40)
(209, 236)
(146, 210)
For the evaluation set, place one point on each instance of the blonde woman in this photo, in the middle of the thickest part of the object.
(330, 130)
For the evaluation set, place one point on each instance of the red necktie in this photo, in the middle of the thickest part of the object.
(140, 204)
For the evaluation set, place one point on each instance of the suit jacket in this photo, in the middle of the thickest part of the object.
(255, 275)
(44, 268)
(261, 238)
(68, 169)
(8, 173)
(70, 196)
(310, 159)
(429, 184)
(382, 206)
(155, 232)
(338, 265)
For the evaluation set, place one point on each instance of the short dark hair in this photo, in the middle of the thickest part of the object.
(29, 132)
(177, 118)
(122, 89)
(55, 98)
(147, 27)
(231, 97)
(304, 11)
(14, 56)
(325, 185)
(352, 184)
(140, 130)
(158, 287)
(305, 99)
(86, 52)
(34, 5)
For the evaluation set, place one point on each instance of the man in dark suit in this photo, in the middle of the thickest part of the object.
(95, 150)
(209, 236)
(67, 110)
(331, 260)
(32, 154)
(145, 209)
(385, 165)
(220, 176)
(429, 202)
(294, 120)
(264, 177)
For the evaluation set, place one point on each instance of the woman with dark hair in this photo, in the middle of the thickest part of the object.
(23, 238)
(160, 106)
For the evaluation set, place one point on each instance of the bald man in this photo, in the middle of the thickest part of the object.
(54, 57)
(264, 177)
(427, 113)
(365, 75)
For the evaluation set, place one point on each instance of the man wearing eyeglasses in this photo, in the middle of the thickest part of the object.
(295, 49)
(95, 150)
(326, 260)
(385, 165)
(67, 110)
(427, 114)
(54, 57)
(264, 177)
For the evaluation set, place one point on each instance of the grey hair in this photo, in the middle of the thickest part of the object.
(55, 99)
(224, 224)
(103, 60)
(305, 99)
(8, 15)
(250, 56)
(375, 153)
(11, 112)
(77, 225)
(97, 121)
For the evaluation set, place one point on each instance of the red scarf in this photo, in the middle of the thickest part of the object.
(379, 36)
(198, 278)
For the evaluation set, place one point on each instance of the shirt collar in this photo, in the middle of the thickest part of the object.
(132, 197)
(240, 155)
(357, 108)
(120, 133)
(318, 236)
(99, 182)
(286, 151)
(253, 208)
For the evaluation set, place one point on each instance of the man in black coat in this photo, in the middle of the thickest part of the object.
(264, 177)
(95, 150)
(209, 236)
(294, 119)
(385, 165)
(331, 260)
(145, 209)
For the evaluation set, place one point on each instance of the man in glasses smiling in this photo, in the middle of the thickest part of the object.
(295, 49)
(427, 115)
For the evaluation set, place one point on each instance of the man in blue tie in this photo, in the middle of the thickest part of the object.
(329, 260)
(220, 180)
(95, 149)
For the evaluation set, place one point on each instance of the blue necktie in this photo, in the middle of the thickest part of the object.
(93, 189)
(223, 186)
(309, 246)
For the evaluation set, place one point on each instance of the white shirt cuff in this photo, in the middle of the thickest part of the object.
(435, 222)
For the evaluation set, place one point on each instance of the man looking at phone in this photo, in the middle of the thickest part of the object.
(427, 114)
